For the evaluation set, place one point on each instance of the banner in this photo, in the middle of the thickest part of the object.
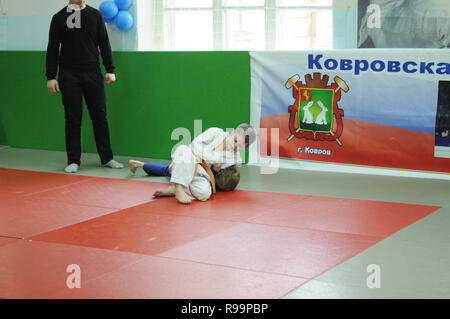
(373, 107)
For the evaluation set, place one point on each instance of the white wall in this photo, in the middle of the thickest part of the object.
(24, 25)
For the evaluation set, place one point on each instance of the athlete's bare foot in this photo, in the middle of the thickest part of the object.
(164, 192)
(134, 165)
(181, 195)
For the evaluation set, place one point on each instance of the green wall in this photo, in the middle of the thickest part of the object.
(155, 93)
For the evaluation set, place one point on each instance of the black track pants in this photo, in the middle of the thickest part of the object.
(74, 85)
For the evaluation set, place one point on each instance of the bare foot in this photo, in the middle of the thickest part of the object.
(183, 198)
(181, 195)
(164, 192)
(134, 165)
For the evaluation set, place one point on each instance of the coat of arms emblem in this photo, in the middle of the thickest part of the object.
(315, 114)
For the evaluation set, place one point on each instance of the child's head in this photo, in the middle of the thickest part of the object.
(240, 138)
(228, 178)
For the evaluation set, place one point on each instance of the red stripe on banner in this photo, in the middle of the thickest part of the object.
(364, 143)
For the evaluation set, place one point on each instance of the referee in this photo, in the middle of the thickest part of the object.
(77, 35)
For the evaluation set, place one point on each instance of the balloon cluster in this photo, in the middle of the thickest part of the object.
(116, 12)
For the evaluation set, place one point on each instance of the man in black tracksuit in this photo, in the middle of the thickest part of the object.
(77, 34)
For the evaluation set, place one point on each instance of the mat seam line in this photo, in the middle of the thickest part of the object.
(12, 237)
(277, 226)
(53, 188)
(231, 267)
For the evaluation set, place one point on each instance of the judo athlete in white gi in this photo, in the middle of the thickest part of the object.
(190, 172)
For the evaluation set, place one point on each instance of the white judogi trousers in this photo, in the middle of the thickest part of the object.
(183, 168)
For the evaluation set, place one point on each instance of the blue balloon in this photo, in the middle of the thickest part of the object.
(124, 20)
(123, 4)
(108, 9)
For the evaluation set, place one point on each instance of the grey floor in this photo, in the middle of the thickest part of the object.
(414, 262)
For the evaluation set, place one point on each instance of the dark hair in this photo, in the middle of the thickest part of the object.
(228, 178)
(249, 133)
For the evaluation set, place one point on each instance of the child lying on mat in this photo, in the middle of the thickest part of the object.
(212, 160)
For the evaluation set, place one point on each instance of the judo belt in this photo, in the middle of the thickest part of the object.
(211, 177)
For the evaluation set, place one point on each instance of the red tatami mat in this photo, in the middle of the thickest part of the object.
(137, 231)
(38, 270)
(14, 182)
(156, 277)
(36, 202)
(243, 239)
(363, 217)
(295, 252)
(23, 218)
(101, 192)
(6, 240)
(292, 241)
